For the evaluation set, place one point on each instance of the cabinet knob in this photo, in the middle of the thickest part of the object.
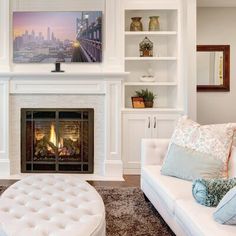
(149, 122)
(155, 122)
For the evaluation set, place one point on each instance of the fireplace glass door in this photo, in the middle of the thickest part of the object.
(57, 140)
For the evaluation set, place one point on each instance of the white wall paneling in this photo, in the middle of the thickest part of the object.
(189, 58)
(57, 5)
(113, 31)
(4, 127)
(4, 35)
(113, 162)
(62, 87)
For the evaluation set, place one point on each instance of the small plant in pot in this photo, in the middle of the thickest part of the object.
(147, 96)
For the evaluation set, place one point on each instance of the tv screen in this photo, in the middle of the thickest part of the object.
(49, 37)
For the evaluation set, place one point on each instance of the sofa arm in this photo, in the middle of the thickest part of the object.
(153, 151)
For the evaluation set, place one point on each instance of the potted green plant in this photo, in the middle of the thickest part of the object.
(147, 96)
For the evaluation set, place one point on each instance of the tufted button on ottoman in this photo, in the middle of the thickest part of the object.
(51, 205)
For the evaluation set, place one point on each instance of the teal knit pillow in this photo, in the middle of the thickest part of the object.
(210, 192)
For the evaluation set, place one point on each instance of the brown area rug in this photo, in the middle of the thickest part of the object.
(2, 189)
(128, 214)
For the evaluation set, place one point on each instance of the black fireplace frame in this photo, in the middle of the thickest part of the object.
(57, 162)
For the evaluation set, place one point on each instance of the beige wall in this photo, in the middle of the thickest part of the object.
(218, 26)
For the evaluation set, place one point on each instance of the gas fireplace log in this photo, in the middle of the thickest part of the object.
(44, 147)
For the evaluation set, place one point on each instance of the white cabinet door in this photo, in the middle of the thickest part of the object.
(163, 125)
(135, 128)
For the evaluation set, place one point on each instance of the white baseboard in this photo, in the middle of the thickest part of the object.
(113, 172)
(113, 169)
(132, 171)
(4, 167)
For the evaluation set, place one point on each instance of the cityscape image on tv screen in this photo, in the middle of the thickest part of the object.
(49, 37)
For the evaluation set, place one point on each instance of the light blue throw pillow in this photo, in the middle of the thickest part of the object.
(2, 233)
(226, 210)
(189, 164)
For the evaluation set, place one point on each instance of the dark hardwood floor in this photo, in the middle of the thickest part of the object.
(7, 182)
(130, 181)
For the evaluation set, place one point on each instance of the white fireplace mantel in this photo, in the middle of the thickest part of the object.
(65, 75)
(107, 84)
(60, 83)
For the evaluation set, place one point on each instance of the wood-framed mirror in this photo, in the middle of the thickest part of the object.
(213, 68)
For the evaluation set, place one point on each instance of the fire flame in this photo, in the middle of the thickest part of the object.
(61, 144)
(53, 138)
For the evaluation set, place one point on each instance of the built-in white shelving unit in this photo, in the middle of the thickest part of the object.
(165, 66)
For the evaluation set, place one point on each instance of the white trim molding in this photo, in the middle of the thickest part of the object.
(190, 43)
(61, 87)
(113, 164)
(4, 35)
(4, 127)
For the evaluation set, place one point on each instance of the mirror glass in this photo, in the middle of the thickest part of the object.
(210, 68)
(213, 68)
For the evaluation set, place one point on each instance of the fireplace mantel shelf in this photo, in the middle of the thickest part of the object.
(71, 75)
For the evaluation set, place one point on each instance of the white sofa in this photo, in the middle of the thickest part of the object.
(172, 197)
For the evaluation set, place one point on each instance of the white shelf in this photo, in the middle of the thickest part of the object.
(152, 110)
(150, 58)
(133, 33)
(150, 84)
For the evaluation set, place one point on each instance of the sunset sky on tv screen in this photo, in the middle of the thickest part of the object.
(38, 35)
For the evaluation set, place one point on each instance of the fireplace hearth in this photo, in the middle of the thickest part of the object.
(57, 140)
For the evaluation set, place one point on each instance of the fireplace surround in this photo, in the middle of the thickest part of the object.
(57, 140)
(98, 91)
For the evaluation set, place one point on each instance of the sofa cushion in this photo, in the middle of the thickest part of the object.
(198, 219)
(188, 164)
(168, 188)
(214, 140)
(225, 212)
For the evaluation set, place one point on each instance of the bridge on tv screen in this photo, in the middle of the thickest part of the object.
(88, 46)
(87, 50)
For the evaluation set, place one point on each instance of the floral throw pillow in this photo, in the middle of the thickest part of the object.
(215, 140)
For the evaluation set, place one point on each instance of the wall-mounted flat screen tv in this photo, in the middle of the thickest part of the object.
(49, 37)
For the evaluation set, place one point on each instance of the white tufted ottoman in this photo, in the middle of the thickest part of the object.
(51, 205)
